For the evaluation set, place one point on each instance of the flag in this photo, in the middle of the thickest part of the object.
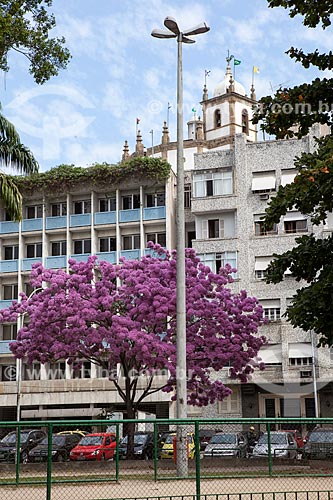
(137, 121)
(237, 62)
(256, 69)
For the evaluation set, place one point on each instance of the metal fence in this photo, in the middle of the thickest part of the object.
(286, 459)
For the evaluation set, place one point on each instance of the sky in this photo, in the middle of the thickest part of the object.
(119, 72)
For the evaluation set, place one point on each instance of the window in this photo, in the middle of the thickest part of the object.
(288, 176)
(213, 184)
(131, 242)
(159, 238)
(259, 229)
(245, 122)
(108, 244)
(130, 201)
(59, 209)
(217, 260)
(31, 372)
(260, 266)
(187, 196)
(263, 182)
(107, 204)
(300, 361)
(56, 370)
(10, 292)
(295, 222)
(11, 252)
(9, 332)
(272, 310)
(213, 228)
(271, 354)
(58, 248)
(8, 373)
(82, 246)
(217, 118)
(231, 404)
(82, 370)
(34, 250)
(155, 200)
(300, 354)
(82, 207)
(34, 212)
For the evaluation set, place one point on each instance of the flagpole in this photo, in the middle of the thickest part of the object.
(252, 76)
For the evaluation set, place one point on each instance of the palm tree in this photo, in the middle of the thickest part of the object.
(15, 155)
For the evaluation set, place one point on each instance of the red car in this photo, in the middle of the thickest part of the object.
(98, 446)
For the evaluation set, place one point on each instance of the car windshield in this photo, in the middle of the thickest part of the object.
(223, 439)
(321, 437)
(91, 441)
(275, 439)
(11, 438)
(139, 439)
(56, 440)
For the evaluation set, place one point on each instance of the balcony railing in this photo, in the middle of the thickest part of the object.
(107, 256)
(4, 347)
(55, 262)
(5, 303)
(8, 266)
(130, 254)
(80, 257)
(27, 263)
(9, 227)
(152, 213)
(32, 224)
(56, 222)
(77, 220)
(129, 215)
(105, 218)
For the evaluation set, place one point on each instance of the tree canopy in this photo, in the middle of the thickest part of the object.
(125, 315)
(290, 113)
(25, 27)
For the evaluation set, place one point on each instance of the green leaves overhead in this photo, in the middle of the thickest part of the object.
(25, 27)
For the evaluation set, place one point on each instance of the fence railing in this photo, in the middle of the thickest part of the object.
(93, 459)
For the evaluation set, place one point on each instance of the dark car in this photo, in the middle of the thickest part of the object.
(205, 436)
(29, 438)
(62, 444)
(143, 445)
(319, 444)
(227, 444)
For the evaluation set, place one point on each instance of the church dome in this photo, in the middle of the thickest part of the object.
(223, 87)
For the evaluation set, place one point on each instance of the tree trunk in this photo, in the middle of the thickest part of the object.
(130, 430)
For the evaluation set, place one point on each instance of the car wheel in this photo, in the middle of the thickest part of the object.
(60, 458)
(24, 457)
(103, 458)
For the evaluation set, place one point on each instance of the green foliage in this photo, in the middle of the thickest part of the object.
(65, 177)
(311, 193)
(25, 27)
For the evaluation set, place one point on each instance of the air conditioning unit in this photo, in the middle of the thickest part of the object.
(264, 196)
(306, 373)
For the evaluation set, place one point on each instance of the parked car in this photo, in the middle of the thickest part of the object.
(62, 444)
(297, 436)
(283, 445)
(143, 445)
(167, 450)
(319, 444)
(76, 431)
(29, 438)
(227, 444)
(98, 446)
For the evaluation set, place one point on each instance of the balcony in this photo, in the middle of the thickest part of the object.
(8, 266)
(110, 257)
(129, 215)
(4, 347)
(130, 254)
(152, 253)
(105, 218)
(56, 222)
(56, 262)
(80, 257)
(9, 227)
(27, 263)
(78, 220)
(153, 213)
(5, 303)
(32, 225)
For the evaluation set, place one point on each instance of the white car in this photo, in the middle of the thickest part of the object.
(283, 445)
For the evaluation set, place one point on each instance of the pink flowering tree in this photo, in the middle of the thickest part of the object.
(125, 315)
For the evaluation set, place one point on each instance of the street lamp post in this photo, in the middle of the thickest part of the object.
(173, 31)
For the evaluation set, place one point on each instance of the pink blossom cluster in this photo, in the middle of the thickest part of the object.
(126, 314)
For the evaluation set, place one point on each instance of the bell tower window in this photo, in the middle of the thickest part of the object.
(218, 118)
(245, 122)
